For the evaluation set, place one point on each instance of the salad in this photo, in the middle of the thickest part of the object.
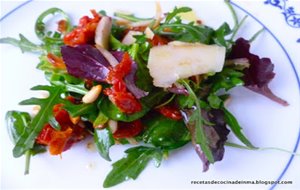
(156, 83)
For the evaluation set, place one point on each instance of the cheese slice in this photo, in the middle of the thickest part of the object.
(179, 60)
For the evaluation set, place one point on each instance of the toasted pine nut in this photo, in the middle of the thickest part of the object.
(92, 95)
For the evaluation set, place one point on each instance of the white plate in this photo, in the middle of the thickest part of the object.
(266, 123)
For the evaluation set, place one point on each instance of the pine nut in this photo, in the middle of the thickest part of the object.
(92, 95)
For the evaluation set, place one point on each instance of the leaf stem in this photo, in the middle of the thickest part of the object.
(256, 35)
(27, 161)
(237, 27)
(233, 13)
(234, 145)
(200, 135)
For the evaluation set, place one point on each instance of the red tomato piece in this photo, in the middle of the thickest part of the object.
(158, 41)
(59, 141)
(171, 112)
(128, 129)
(84, 33)
(118, 93)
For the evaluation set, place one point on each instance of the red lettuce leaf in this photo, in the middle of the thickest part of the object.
(130, 78)
(86, 62)
(260, 72)
(216, 134)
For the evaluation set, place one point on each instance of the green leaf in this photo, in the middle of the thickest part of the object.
(236, 128)
(115, 44)
(220, 34)
(113, 112)
(214, 101)
(184, 101)
(175, 12)
(155, 97)
(132, 165)
(60, 77)
(80, 109)
(27, 139)
(24, 44)
(104, 140)
(187, 32)
(40, 26)
(54, 124)
(140, 53)
(165, 133)
(100, 120)
(226, 79)
(131, 17)
(16, 123)
(195, 120)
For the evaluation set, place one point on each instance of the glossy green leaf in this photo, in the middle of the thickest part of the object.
(16, 123)
(104, 140)
(24, 44)
(26, 141)
(165, 133)
(236, 128)
(175, 12)
(132, 165)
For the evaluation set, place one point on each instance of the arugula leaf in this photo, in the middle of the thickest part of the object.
(236, 128)
(214, 101)
(16, 123)
(100, 120)
(226, 79)
(113, 112)
(54, 124)
(175, 12)
(131, 17)
(60, 77)
(198, 134)
(24, 44)
(186, 32)
(165, 133)
(27, 139)
(40, 26)
(79, 109)
(140, 53)
(115, 44)
(104, 140)
(132, 165)
(220, 34)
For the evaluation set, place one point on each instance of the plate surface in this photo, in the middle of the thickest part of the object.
(266, 123)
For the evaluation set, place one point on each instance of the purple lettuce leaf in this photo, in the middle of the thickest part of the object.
(130, 78)
(260, 72)
(86, 62)
(216, 134)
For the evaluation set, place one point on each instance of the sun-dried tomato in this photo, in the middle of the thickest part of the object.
(84, 33)
(59, 141)
(56, 61)
(128, 129)
(171, 112)
(159, 40)
(62, 26)
(118, 93)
